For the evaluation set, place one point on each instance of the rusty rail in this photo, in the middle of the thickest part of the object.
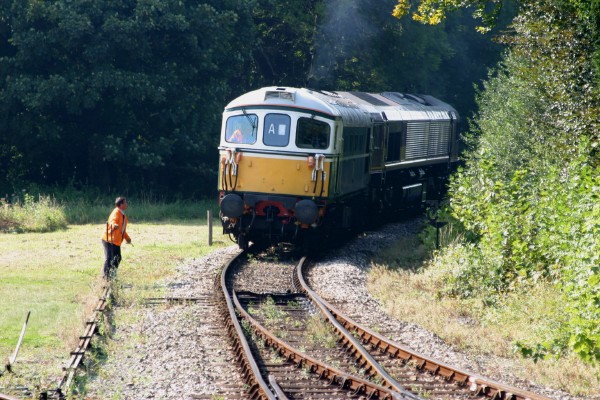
(78, 354)
(334, 376)
(477, 384)
(251, 373)
(364, 359)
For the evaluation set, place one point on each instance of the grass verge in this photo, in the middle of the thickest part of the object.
(43, 214)
(47, 213)
(140, 210)
(524, 315)
(57, 276)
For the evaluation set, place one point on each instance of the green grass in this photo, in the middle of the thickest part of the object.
(321, 332)
(57, 276)
(53, 209)
(83, 211)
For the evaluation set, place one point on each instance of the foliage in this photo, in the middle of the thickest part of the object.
(529, 236)
(528, 195)
(272, 313)
(31, 215)
(320, 332)
(111, 93)
(283, 50)
(432, 12)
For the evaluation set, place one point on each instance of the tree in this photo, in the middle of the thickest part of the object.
(129, 93)
(360, 46)
(115, 94)
(285, 33)
(526, 195)
(432, 12)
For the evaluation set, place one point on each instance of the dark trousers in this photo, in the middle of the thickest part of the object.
(112, 258)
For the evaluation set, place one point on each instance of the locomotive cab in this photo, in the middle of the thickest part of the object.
(274, 175)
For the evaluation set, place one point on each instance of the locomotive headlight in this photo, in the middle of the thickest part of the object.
(306, 211)
(232, 206)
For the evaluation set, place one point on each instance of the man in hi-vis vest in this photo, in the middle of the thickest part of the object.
(116, 231)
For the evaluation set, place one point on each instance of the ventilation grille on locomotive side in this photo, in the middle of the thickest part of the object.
(427, 139)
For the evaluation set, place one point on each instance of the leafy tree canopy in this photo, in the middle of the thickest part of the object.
(112, 92)
(115, 94)
(432, 12)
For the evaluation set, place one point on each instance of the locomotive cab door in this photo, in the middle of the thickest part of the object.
(378, 137)
(378, 154)
(378, 151)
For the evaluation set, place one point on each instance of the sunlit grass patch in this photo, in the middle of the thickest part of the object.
(57, 276)
(407, 254)
(321, 332)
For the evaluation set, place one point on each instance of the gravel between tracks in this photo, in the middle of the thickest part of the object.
(148, 368)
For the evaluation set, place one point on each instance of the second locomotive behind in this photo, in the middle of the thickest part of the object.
(298, 164)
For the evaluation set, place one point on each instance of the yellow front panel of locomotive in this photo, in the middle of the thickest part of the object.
(276, 176)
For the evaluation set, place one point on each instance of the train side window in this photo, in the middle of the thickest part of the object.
(241, 129)
(276, 130)
(312, 134)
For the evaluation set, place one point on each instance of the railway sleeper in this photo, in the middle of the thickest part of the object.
(359, 390)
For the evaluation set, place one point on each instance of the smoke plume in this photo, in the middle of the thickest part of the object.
(342, 34)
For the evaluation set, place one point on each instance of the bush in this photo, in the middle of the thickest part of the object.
(29, 215)
(528, 195)
(536, 228)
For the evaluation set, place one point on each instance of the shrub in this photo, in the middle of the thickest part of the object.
(528, 195)
(527, 235)
(29, 215)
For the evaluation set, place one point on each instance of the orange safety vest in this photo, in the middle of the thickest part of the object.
(116, 228)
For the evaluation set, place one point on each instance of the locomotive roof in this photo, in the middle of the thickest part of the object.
(354, 108)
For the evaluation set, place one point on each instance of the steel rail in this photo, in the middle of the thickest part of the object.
(477, 384)
(84, 342)
(7, 397)
(347, 340)
(333, 375)
(258, 387)
(275, 385)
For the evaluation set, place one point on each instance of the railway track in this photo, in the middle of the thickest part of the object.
(282, 359)
(298, 375)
